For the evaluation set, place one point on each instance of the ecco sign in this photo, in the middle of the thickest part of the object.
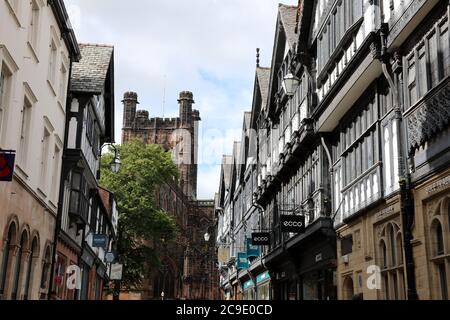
(292, 224)
(261, 239)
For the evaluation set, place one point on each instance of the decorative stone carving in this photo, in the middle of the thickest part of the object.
(432, 208)
(429, 118)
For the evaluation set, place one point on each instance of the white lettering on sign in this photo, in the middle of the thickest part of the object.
(261, 239)
(293, 224)
(74, 278)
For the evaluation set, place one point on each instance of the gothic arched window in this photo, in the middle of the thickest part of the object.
(20, 260)
(31, 268)
(5, 268)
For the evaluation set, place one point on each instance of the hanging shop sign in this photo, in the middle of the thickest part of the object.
(223, 255)
(252, 250)
(116, 271)
(110, 257)
(261, 239)
(292, 224)
(100, 241)
(7, 158)
(242, 261)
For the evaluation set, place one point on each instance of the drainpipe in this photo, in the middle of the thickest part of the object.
(330, 161)
(406, 199)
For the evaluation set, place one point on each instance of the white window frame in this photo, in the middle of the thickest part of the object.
(34, 26)
(29, 102)
(8, 67)
(48, 130)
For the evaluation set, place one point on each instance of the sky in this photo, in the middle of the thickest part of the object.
(164, 47)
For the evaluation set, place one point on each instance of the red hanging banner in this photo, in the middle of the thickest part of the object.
(7, 159)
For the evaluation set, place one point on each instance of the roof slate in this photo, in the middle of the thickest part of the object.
(288, 16)
(89, 75)
(263, 75)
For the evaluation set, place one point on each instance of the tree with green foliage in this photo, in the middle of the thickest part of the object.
(141, 222)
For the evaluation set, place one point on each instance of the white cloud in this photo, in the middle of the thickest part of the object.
(205, 46)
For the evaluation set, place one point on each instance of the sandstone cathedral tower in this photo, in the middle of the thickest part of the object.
(188, 266)
(178, 135)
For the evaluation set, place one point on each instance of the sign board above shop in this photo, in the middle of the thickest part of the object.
(292, 224)
(249, 284)
(263, 277)
(261, 239)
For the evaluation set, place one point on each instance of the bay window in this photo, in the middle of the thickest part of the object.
(344, 15)
(79, 203)
(428, 63)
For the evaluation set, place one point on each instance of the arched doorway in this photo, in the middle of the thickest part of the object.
(164, 281)
(348, 291)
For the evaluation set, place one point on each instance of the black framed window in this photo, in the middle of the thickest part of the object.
(347, 245)
(428, 63)
(433, 59)
(412, 80)
(94, 215)
(422, 70)
(439, 238)
(89, 124)
(75, 192)
(444, 47)
(359, 152)
(443, 281)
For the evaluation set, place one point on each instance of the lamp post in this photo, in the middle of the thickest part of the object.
(115, 162)
(290, 84)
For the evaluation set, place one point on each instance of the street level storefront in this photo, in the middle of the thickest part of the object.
(249, 290)
(304, 269)
(26, 228)
(368, 243)
(65, 258)
(432, 237)
(263, 286)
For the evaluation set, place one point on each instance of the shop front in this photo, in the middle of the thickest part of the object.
(249, 290)
(305, 268)
(314, 254)
(432, 222)
(66, 259)
(263, 286)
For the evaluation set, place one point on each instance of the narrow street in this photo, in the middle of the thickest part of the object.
(220, 157)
